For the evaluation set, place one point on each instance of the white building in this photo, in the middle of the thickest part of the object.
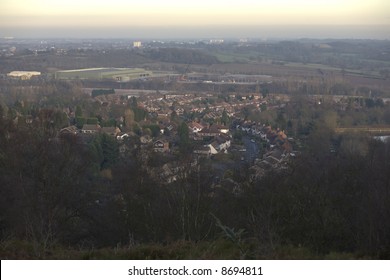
(137, 44)
(23, 75)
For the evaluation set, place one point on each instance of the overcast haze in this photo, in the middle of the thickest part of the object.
(191, 19)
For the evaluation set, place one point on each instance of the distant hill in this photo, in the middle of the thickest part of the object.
(176, 55)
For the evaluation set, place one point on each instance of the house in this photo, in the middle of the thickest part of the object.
(90, 128)
(167, 127)
(224, 129)
(220, 128)
(220, 144)
(161, 146)
(69, 130)
(213, 148)
(274, 158)
(164, 113)
(203, 151)
(179, 111)
(195, 127)
(209, 132)
(170, 172)
(121, 136)
(223, 141)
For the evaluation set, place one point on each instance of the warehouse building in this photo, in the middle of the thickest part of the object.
(116, 74)
(23, 75)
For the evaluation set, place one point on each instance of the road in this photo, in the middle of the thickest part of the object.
(252, 149)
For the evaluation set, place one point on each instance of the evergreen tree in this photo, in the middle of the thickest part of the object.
(184, 139)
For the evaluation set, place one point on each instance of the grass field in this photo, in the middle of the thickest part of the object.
(253, 57)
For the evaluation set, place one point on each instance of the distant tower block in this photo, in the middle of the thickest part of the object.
(137, 44)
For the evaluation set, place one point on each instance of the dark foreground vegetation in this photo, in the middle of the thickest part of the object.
(58, 202)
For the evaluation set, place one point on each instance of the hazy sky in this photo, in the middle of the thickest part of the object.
(68, 16)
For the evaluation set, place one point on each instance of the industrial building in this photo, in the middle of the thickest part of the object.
(23, 75)
(116, 74)
(137, 44)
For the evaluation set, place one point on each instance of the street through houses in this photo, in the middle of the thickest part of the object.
(251, 149)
